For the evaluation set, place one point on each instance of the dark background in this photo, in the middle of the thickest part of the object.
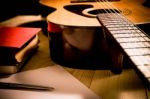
(11, 8)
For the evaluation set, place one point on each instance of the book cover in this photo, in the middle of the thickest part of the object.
(16, 37)
(14, 54)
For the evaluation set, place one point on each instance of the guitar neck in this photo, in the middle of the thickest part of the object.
(134, 42)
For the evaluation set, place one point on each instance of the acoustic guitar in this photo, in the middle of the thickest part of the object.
(79, 14)
(118, 20)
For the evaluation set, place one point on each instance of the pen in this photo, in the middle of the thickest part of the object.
(18, 86)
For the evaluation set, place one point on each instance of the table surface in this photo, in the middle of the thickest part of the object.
(104, 83)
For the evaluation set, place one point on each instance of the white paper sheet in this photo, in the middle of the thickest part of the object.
(66, 86)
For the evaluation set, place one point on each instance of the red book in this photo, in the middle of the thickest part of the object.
(16, 37)
(17, 44)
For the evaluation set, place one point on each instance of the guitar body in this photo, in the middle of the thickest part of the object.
(80, 24)
(132, 9)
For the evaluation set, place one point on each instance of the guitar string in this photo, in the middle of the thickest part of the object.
(131, 28)
(125, 19)
(144, 49)
(144, 43)
(121, 16)
(114, 14)
(103, 11)
(110, 13)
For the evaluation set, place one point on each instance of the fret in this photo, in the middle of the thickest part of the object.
(124, 23)
(145, 70)
(115, 21)
(107, 20)
(110, 16)
(127, 35)
(133, 39)
(135, 45)
(141, 60)
(112, 21)
(121, 25)
(138, 51)
(127, 31)
(122, 28)
(134, 42)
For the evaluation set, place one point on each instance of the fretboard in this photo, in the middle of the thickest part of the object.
(134, 42)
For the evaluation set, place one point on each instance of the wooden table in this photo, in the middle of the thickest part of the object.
(104, 83)
(126, 85)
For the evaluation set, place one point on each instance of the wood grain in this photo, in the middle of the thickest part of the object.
(132, 9)
(104, 83)
(126, 85)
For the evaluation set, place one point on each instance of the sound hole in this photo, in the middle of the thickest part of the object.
(98, 11)
(77, 9)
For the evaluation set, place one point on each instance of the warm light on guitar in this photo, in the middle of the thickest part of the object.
(118, 19)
